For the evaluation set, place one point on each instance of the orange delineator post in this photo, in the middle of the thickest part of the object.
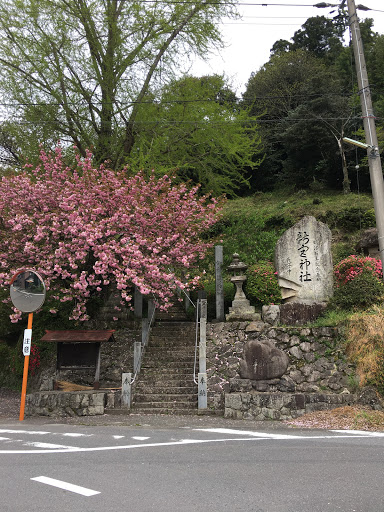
(25, 375)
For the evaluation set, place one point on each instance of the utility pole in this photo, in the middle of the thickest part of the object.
(375, 170)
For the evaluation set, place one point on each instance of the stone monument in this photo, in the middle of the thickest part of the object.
(303, 262)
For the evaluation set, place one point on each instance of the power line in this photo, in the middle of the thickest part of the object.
(182, 101)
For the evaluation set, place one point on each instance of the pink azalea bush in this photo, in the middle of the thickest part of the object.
(358, 283)
(352, 266)
(83, 228)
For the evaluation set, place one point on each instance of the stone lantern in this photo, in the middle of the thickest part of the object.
(241, 308)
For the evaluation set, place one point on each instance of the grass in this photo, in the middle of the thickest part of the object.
(252, 225)
(365, 346)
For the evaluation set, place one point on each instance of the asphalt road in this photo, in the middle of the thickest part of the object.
(200, 466)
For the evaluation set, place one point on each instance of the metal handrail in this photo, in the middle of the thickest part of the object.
(183, 291)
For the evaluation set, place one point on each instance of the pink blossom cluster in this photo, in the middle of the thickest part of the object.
(83, 228)
(354, 265)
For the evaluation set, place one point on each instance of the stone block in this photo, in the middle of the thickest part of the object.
(286, 384)
(271, 314)
(296, 352)
(233, 401)
(263, 361)
(239, 385)
(306, 346)
(294, 313)
(255, 327)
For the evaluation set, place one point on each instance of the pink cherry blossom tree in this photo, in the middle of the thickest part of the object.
(83, 228)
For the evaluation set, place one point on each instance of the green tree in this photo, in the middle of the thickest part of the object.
(79, 70)
(197, 129)
(303, 108)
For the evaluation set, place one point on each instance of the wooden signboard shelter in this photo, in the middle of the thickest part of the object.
(79, 350)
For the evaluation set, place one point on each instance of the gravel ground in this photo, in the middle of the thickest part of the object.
(356, 418)
(9, 403)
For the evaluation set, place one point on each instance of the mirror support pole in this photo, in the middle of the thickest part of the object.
(25, 375)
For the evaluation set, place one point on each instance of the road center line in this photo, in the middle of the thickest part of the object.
(65, 485)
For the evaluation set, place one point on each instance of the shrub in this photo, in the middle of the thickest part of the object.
(361, 292)
(358, 282)
(262, 286)
(352, 266)
(210, 289)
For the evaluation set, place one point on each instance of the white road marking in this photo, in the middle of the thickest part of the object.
(118, 437)
(73, 434)
(50, 446)
(182, 442)
(65, 485)
(247, 433)
(33, 432)
(242, 435)
(360, 433)
(129, 446)
(140, 438)
(4, 438)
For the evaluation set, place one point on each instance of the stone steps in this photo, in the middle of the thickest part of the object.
(167, 390)
(182, 407)
(159, 364)
(165, 383)
(165, 398)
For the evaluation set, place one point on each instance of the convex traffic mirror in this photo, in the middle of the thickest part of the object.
(27, 291)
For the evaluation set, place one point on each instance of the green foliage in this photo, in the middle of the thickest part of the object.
(79, 70)
(229, 293)
(304, 94)
(200, 133)
(262, 287)
(341, 250)
(332, 318)
(349, 219)
(302, 99)
(246, 233)
(209, 287)
(363, 291)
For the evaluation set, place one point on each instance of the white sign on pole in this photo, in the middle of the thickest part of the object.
(27, 342)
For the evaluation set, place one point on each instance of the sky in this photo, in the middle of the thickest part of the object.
(249, 39)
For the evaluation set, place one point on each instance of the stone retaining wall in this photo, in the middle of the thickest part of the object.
(282, 406)
(317, 368)
(76, 403)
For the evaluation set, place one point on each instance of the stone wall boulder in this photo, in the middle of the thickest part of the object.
(263, 361)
